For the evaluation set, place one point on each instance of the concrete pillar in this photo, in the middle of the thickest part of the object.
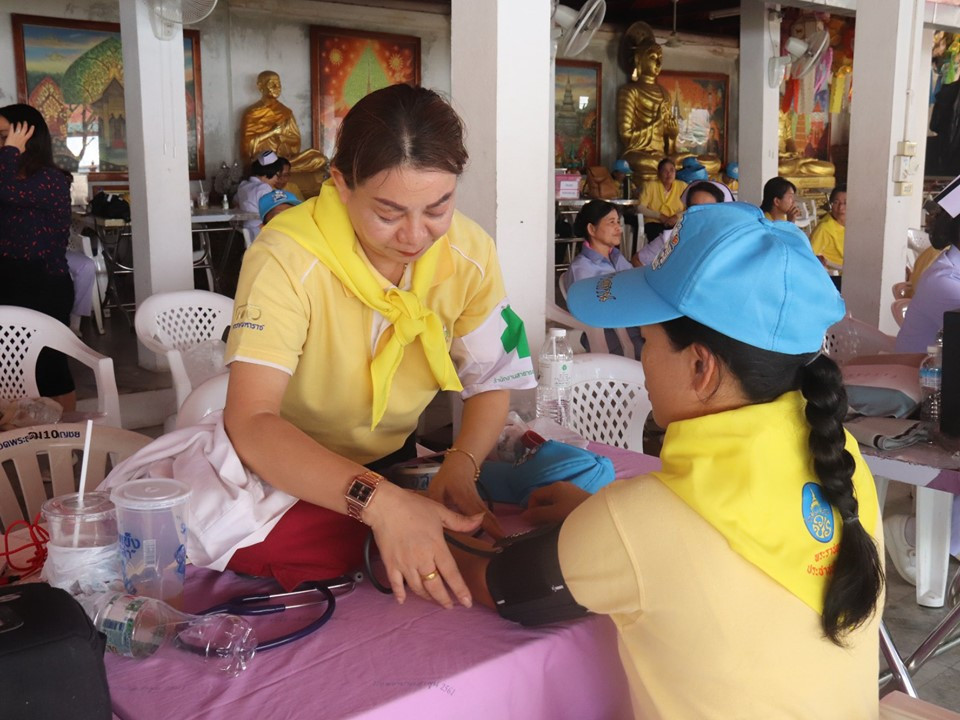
(501, 81)
(759, 103)
(888, 82)
(157, 154)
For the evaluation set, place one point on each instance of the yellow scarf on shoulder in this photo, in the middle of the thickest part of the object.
(335, 243)
(749, 473)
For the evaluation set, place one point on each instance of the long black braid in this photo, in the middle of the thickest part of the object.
(857, 578)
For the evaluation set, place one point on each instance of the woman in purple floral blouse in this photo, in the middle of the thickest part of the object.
(34, 228)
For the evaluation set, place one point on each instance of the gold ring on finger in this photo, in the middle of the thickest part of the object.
(429, 576)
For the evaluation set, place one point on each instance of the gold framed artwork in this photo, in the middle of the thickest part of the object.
(577, 113)
(72, 72)
(346, 65)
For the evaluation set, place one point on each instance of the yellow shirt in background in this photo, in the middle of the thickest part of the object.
(827, 239)
(657, 199)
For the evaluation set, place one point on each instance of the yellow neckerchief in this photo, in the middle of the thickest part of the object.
(337, 247)
(749, 473)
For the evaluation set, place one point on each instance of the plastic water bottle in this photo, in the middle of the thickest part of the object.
(554, 383)
(931, 371)
(137, 626)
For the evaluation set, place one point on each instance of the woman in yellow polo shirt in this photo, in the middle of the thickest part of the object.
(660, 200)
(744, 576)
(353, 310)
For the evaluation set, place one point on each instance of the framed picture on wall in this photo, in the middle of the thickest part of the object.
(699, 102)
(346, 65)
(577, 110)
(72, 72)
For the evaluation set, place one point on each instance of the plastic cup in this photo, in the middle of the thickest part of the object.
(72, 523)
(152, 530)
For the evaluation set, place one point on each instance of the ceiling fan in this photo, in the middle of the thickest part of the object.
(674, 39)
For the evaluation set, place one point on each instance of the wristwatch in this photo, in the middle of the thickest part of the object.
(360, 492)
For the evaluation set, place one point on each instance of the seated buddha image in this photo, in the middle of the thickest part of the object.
(645, 122)
(268, 124)
(794, 163)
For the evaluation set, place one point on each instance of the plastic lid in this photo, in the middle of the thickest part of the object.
(558, 332)
(96, 506)
(932, 349)
(150, 494)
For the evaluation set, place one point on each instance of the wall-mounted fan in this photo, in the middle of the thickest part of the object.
(165, 15)
(572, 29)
(802, 57)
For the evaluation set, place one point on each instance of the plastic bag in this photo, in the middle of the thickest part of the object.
(204, 360)
(24, 412)
(83, 570)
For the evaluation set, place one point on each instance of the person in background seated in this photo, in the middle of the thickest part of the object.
(827, 237)
(731, 177)
(704, 192)
(284, 182)
(660, 199)
(752, 561)
(780, 200)
(353, 310)
(598, 222)
(274, 203)
(265, 176)
(34, 230)
(937, 292)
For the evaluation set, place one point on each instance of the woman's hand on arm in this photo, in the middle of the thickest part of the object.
(552, 503)
(455, 484)
(408, 528)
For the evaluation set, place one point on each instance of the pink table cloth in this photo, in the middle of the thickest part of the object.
(377, 659)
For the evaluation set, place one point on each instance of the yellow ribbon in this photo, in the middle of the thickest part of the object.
(336, 245)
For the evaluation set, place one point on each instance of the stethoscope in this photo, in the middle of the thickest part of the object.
(259, 604)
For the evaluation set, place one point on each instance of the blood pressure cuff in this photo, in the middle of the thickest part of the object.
(526, 583)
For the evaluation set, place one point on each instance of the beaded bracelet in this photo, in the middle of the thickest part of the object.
(476, 465)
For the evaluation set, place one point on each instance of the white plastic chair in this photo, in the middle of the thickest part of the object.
(609, 403)
(81, 243)
(171, 323)
(24, 487)
(902, 290)
(207, 397)
(899, 310)
(24, 333)
(850, 338)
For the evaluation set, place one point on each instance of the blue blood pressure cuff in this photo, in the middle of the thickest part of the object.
(526, 583)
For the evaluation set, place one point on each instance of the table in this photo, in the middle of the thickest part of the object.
(935, 472)
(377, 659)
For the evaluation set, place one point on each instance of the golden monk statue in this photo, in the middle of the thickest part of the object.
(793, 163)
(270, 125)
(645, 121)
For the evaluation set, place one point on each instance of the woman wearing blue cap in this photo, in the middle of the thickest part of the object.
(744, 577)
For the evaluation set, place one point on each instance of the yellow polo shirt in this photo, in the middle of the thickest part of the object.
(827, 239)
(293, 314)
(654, 197)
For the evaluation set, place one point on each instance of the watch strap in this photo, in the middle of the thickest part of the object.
(360, 492)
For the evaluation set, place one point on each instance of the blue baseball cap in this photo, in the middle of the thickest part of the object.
(731, 269)
(623, 166)
(732, 170)
(272, 199)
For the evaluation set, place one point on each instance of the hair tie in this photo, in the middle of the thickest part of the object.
(853, 519)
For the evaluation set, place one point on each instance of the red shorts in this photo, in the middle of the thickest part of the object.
(309, 543)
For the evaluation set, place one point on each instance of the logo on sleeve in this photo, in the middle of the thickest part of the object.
(817, 513)
(514, 337)
(246, 316)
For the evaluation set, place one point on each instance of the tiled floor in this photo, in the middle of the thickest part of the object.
(938, 681)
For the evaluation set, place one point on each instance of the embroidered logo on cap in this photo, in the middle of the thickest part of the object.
(817, 513)
(603, 289)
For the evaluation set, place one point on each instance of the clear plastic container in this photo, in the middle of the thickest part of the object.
(554, 382)
(140, 627)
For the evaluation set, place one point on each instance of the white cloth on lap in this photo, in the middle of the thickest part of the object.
(230, 506)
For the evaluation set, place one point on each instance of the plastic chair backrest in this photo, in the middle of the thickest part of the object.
(596, 337)
(850, 338)
(171, 323)
(609, 403)
(24, 333)
(43, 464)
(899, 309)
(207, 397)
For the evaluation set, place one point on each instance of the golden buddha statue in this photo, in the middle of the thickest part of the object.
(801, 171)
(270, 125)
(645, 121)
